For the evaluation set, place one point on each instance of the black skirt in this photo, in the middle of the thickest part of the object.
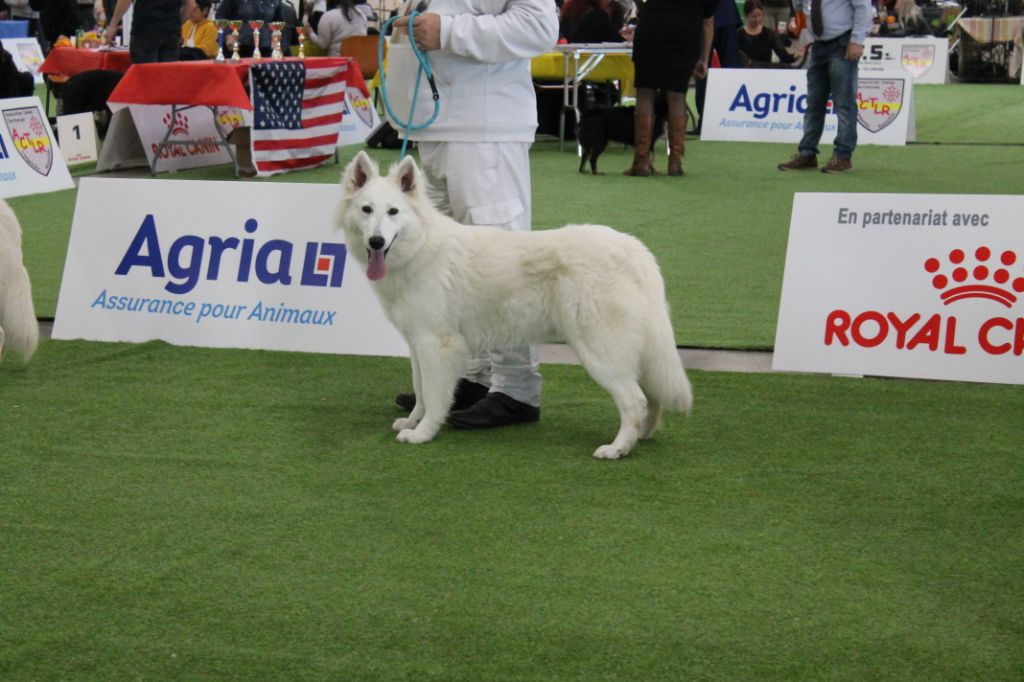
(666, 45)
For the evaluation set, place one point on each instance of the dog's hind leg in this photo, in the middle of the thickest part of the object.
(583, 159)
(2, 336)
(652, 419)
(628, 397)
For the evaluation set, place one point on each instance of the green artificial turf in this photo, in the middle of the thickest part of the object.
(719, 233)
(183, 513)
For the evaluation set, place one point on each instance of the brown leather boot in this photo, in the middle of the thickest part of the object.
(676, 143)
(643, 130)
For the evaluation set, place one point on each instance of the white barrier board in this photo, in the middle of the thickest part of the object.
(768, 105)
(217, 264)
(195, 127)
(359, 118)
(923, 286)
(29, 160)
(27, 55)
(926, 59)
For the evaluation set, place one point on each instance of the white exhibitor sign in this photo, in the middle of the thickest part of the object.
(217, 264)
(926, 59)
(27, 55)
(922, 286)
(768, 105)
(359, 118)
(30, 162)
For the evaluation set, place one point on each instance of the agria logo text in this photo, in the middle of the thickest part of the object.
(191, 257)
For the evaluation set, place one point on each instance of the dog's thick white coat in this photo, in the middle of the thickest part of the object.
(19, 330)
(452, 289)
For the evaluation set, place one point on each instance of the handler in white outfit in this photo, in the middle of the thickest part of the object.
(475, 156)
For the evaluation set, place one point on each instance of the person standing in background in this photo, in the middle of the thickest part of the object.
(777, 13)
(726, 43)
(156, 29)
(475, 157)
(839, 28)
(671, 43)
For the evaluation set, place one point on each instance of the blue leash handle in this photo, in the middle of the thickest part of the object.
(424, 69)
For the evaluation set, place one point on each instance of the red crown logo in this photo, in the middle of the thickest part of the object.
(988, 277)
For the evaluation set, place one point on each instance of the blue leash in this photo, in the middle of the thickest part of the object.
(424, 69)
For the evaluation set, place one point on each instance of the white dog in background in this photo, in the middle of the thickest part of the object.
(452, 290)
(19, 330)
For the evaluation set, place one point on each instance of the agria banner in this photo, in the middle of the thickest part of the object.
(768, 105)
(925, 286)
(218, 264)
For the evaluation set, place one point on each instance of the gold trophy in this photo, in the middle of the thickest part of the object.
(275, 40)
(300, 31)
(234, 25)
(221, 25)
(256, 25)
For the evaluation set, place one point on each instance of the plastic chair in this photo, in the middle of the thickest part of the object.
(364, 50)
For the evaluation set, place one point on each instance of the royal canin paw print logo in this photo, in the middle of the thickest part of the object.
(180, 124)
(986, 276)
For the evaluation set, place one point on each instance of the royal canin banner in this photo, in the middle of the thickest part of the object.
(922, 286)
(193, 130)
(30, 162)
(217, 264)
(768, 105)
(924, 59)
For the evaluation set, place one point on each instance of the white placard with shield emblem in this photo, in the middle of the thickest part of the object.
(29, 161)
(926, 59)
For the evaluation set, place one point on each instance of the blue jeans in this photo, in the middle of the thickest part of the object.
(831, 73)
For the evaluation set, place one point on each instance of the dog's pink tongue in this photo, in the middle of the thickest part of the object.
(376, 269)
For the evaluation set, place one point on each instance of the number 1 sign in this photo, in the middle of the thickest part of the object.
(77, 133)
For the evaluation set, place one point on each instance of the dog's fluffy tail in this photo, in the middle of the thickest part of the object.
(663, 378)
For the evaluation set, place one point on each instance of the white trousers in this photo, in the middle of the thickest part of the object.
(487, 183)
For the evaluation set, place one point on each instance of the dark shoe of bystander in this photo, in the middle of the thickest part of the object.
(497, 409)
(799, 162)
(467, 393)
(837, 165)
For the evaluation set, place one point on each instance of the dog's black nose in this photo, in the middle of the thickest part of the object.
(376, 242)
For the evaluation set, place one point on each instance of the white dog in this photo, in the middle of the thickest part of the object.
(19, 330)
(452, 290)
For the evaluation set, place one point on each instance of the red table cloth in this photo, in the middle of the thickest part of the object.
(204, 82)
(70, 61)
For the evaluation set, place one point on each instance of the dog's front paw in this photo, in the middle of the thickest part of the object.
(609, 452)
(404, 424)
(414, 436)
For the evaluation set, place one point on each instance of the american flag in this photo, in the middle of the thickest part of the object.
(296, 114)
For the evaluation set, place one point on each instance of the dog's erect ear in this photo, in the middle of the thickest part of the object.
(407, 175)
(358, 172)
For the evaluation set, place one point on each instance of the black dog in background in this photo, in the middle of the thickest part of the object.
(600, 125)
(89, 91)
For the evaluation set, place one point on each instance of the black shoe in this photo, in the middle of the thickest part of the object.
(467, 394)
(497, 409)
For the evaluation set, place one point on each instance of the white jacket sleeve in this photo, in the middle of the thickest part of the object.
(522, 30)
